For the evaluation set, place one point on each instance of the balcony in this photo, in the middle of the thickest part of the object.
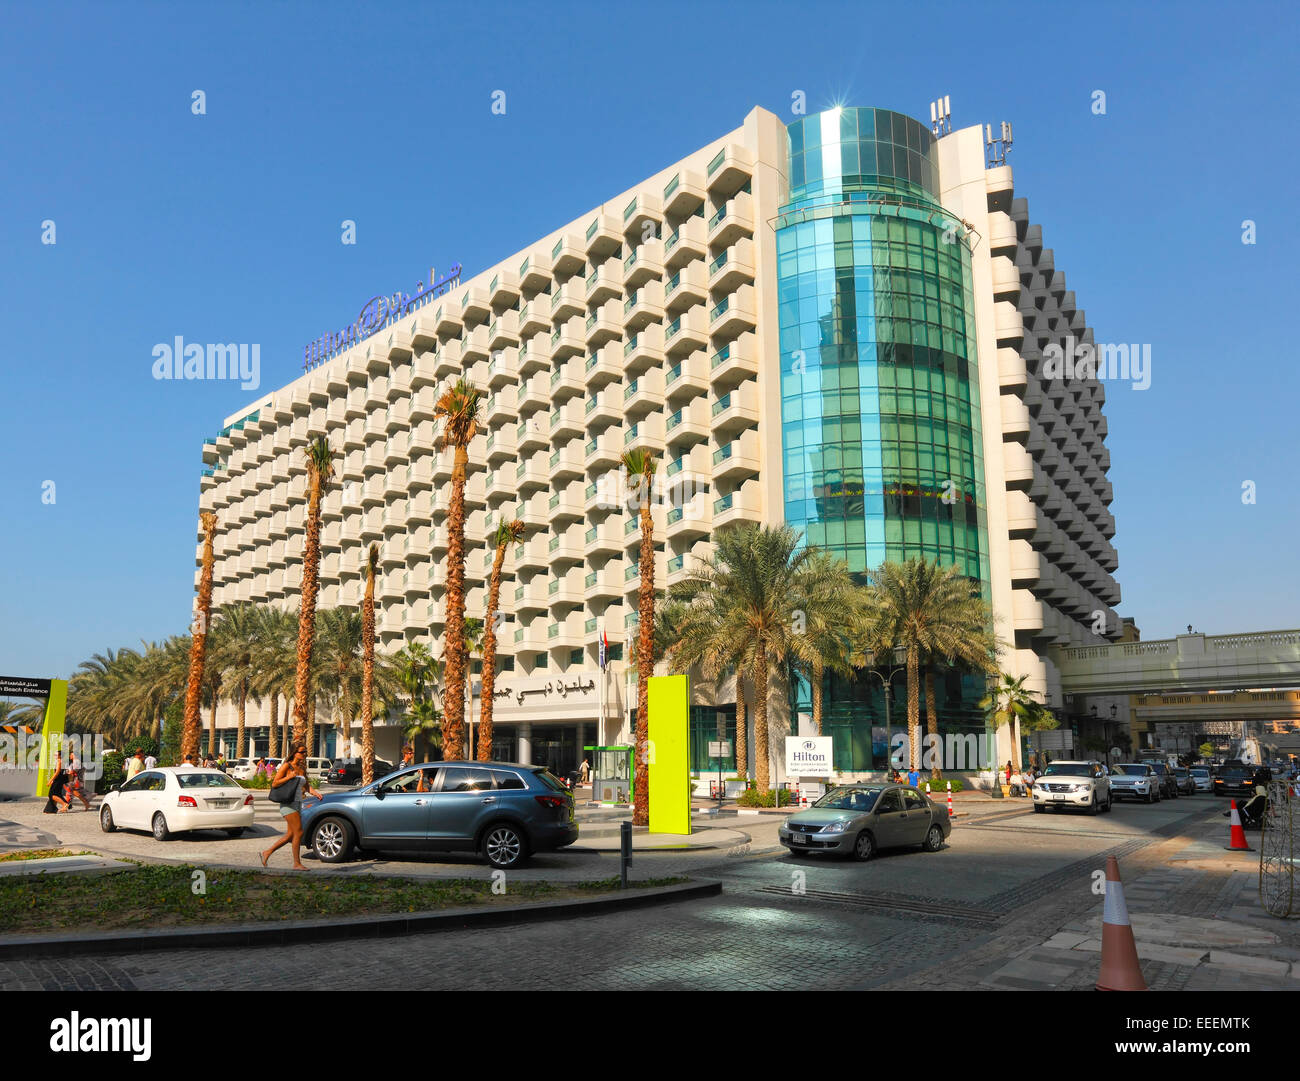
(502, 446)
(447, 364)
(689, 242)
(564, 592)
(566, 421)
(447, 322)
(535, 273)
(565, 548)
(733, 267)
(567, 301)
(568, 340)
(644, 306)
(734, 412)
(603, 408)
(532, 554)
(604, 325)
(733, 221)
(687, 333)
(530, 598)
(503, 332)
(644, 350)
(604, 584)
(603, 366)
(646, 434)
(605, 451)
(502, 406)
(644, 394)
(684, 193)
(534, 395)
(568, 256)
(565, 635)
(736, 461)
(535, 356)
(535, 317)
(566, 463)
(691, 518)
(532, 473)
(474, 306)
(641, 217)
(604, 238)
(503, 290)
(642, 265)
(685, 289)
(734, 314)
(604, 283)
(687, 379)
(605, 538)
(739, 506)
(688, 425)
(566, 381)
(729, 169)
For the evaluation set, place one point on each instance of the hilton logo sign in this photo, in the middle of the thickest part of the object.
(808, 756)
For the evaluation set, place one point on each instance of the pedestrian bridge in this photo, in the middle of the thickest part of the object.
(1189, 662)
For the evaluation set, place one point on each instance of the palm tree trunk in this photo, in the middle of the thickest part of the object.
(273, 732)
(1015, 741)
(243, 702)
(284, 732)
(490, 657)
(307, 613)
(368, 676)
(932, 720)
(760, 716)
(742, 723)
(817, 672)
(645, 662)
(212, 731)
(913, 704)
(453, 649)
(192, 724)
(309, 741)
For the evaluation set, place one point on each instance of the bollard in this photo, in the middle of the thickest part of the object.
(624, 853)
(950, 799)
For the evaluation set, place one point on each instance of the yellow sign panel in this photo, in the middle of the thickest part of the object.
(51, 733)
(668, 712)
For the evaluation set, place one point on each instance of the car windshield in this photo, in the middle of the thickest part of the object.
(1234, 773)
(1067, 769)
(1129, 769)
(550, 780)
(1181, 773)
(1198, 772)
(849, 799)
(197, 779)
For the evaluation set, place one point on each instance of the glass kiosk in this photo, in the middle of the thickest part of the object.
(611, 775)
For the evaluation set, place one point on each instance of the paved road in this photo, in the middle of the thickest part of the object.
(1009, 879)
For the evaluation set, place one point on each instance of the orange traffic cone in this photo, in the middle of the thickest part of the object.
(1120, 970)
(1237, 835)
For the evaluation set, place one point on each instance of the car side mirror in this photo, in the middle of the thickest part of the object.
(377, 792)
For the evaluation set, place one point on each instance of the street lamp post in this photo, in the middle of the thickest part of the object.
(886, 683)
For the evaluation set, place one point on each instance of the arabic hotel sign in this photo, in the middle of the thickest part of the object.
(377, 313)
(808, 756)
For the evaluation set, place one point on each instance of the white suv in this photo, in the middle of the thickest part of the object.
(1073, 784)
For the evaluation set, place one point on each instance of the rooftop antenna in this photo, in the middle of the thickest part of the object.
(995, 149)
(941, 115)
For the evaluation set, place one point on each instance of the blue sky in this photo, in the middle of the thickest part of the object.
(226, 227)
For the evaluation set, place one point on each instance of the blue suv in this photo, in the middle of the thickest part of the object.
(502, 810)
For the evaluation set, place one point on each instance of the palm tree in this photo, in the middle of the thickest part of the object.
(825, 642)
(747, 604)
(198, 648)
(234, 646)
(640, 465)
(416, 673)
(507, 533)
(338, 650)
(1010, 702)
(368, 669)
(275, 667)
(320, 470)
(472, 644)
(930, 611)
(458, 410)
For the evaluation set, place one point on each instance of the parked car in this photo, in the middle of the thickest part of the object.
(1185, 781)
(172, 800)
(348, 771)
(1201, 776)
(859, 820)
(318, 768)
(1134, 780)
(502, 810)
(1240, 779)
(239, 768)
(1168, 783)
(1073, 784)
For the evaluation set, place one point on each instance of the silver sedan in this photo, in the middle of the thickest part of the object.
(858, 820)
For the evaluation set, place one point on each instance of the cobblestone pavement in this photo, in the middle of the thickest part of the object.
(1007, 904)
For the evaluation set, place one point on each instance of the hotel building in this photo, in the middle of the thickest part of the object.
(837, 323)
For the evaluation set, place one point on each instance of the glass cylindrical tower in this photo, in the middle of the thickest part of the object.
(880, 403)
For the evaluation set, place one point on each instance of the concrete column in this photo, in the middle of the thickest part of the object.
(525, 732)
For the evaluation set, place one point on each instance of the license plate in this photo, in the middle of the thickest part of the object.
(1059, 799)
(220, 804)
(799, 838)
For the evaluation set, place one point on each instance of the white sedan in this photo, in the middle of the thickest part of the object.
(176, 800)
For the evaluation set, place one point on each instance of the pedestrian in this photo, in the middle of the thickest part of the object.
(150, 761)
(1008, 771)
(913, 777)
(58, 788)
(287, 789)
(188, 763)
(134, 764)
(408, 757)
(75, 787)
(1017, 784)
(584, 772)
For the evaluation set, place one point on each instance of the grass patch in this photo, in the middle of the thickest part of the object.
(155, 896)
(41, 854)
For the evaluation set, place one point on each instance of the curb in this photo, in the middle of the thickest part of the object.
(13, 948)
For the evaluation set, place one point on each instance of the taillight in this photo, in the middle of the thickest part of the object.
(187, 801)
(550, 801)
(248, 800)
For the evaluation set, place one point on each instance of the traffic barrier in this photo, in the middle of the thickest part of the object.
(1237, 835)
(1120, 970)
(950, 799)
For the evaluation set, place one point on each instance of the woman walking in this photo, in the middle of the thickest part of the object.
(58, 788)
(292, 774)
(76, 788)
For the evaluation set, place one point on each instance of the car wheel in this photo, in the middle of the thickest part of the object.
(235, 832)
(1109, 802)
(504, 846)
(160, 830)
(106, 822)
(1151, 797)
(933, 840)
(333, 840)
(1094, 808)
(864, 847)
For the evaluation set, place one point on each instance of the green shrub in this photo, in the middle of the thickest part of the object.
(752, 797)
(940, 788)
(112, 766)
(258, 780)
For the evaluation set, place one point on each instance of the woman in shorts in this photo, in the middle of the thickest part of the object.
(293, 768)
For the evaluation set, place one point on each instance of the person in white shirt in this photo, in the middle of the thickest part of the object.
(150, 761)
(187, 764)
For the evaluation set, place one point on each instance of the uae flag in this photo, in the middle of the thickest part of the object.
(604, 649)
